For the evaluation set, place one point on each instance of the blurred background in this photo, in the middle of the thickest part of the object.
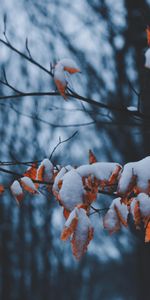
(107, 40)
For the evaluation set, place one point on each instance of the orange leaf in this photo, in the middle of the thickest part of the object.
(61, 88)
(40, 173)
(147, 233)
(60, 182)
(89, 197)
(92, 158)
(79, 247)
(28, 185)
(71, 70)
(31, 172)
(82, 234)
(69, 230)
(66, 213)
(1, 188)
(148, 35)
(114, 176)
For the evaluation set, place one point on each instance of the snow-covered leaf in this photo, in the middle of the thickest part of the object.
(17, 191)
(45, 171)
(72, 191)
(79, 227)
(60, 79)
(28, 185)
(135, 177)
(69, 65)
(115, 216)
(147, 58)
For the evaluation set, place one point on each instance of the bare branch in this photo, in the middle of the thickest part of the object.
(6, 83)
(27, 47)
(98, 210)
(61, 142)
(17, 176)
(71, 93)
(5, 28)
(31, 60)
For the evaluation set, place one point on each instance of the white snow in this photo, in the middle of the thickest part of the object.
(27, 181)
(111, 221)
(16, 188)
(60, 175)
(121, 207)
(144, 204)
(141, 169)
(81, 233)
(147, 58)
(71, 192)
(100, 170)
(72, 215)
(132, 206)
(132, 108)
(59, 74)
(48, 169)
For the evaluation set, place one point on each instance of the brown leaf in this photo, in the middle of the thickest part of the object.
(28, 185)
(148, 35)
(69, 230)
(66, 213)
(31, 172)
(147, 233)
(92, 157)
(1, 188)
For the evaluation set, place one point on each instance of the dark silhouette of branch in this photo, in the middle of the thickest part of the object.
(72, 94)
(18, 175)
(31, 60)
(98, 210)
(61, 142)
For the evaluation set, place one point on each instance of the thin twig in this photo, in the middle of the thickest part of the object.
(61, 142)
(98, 210)
(27, 47)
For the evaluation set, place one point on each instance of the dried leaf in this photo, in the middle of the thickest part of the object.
(114, 176)
(66, 213)
(111, 221)
(70, 226)
(148, 35)
(28, 185)
(1, 188)
(61, 88)
(92, 157)
(17, 191)
(82, 235)
(147, 233)
(31, 172)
